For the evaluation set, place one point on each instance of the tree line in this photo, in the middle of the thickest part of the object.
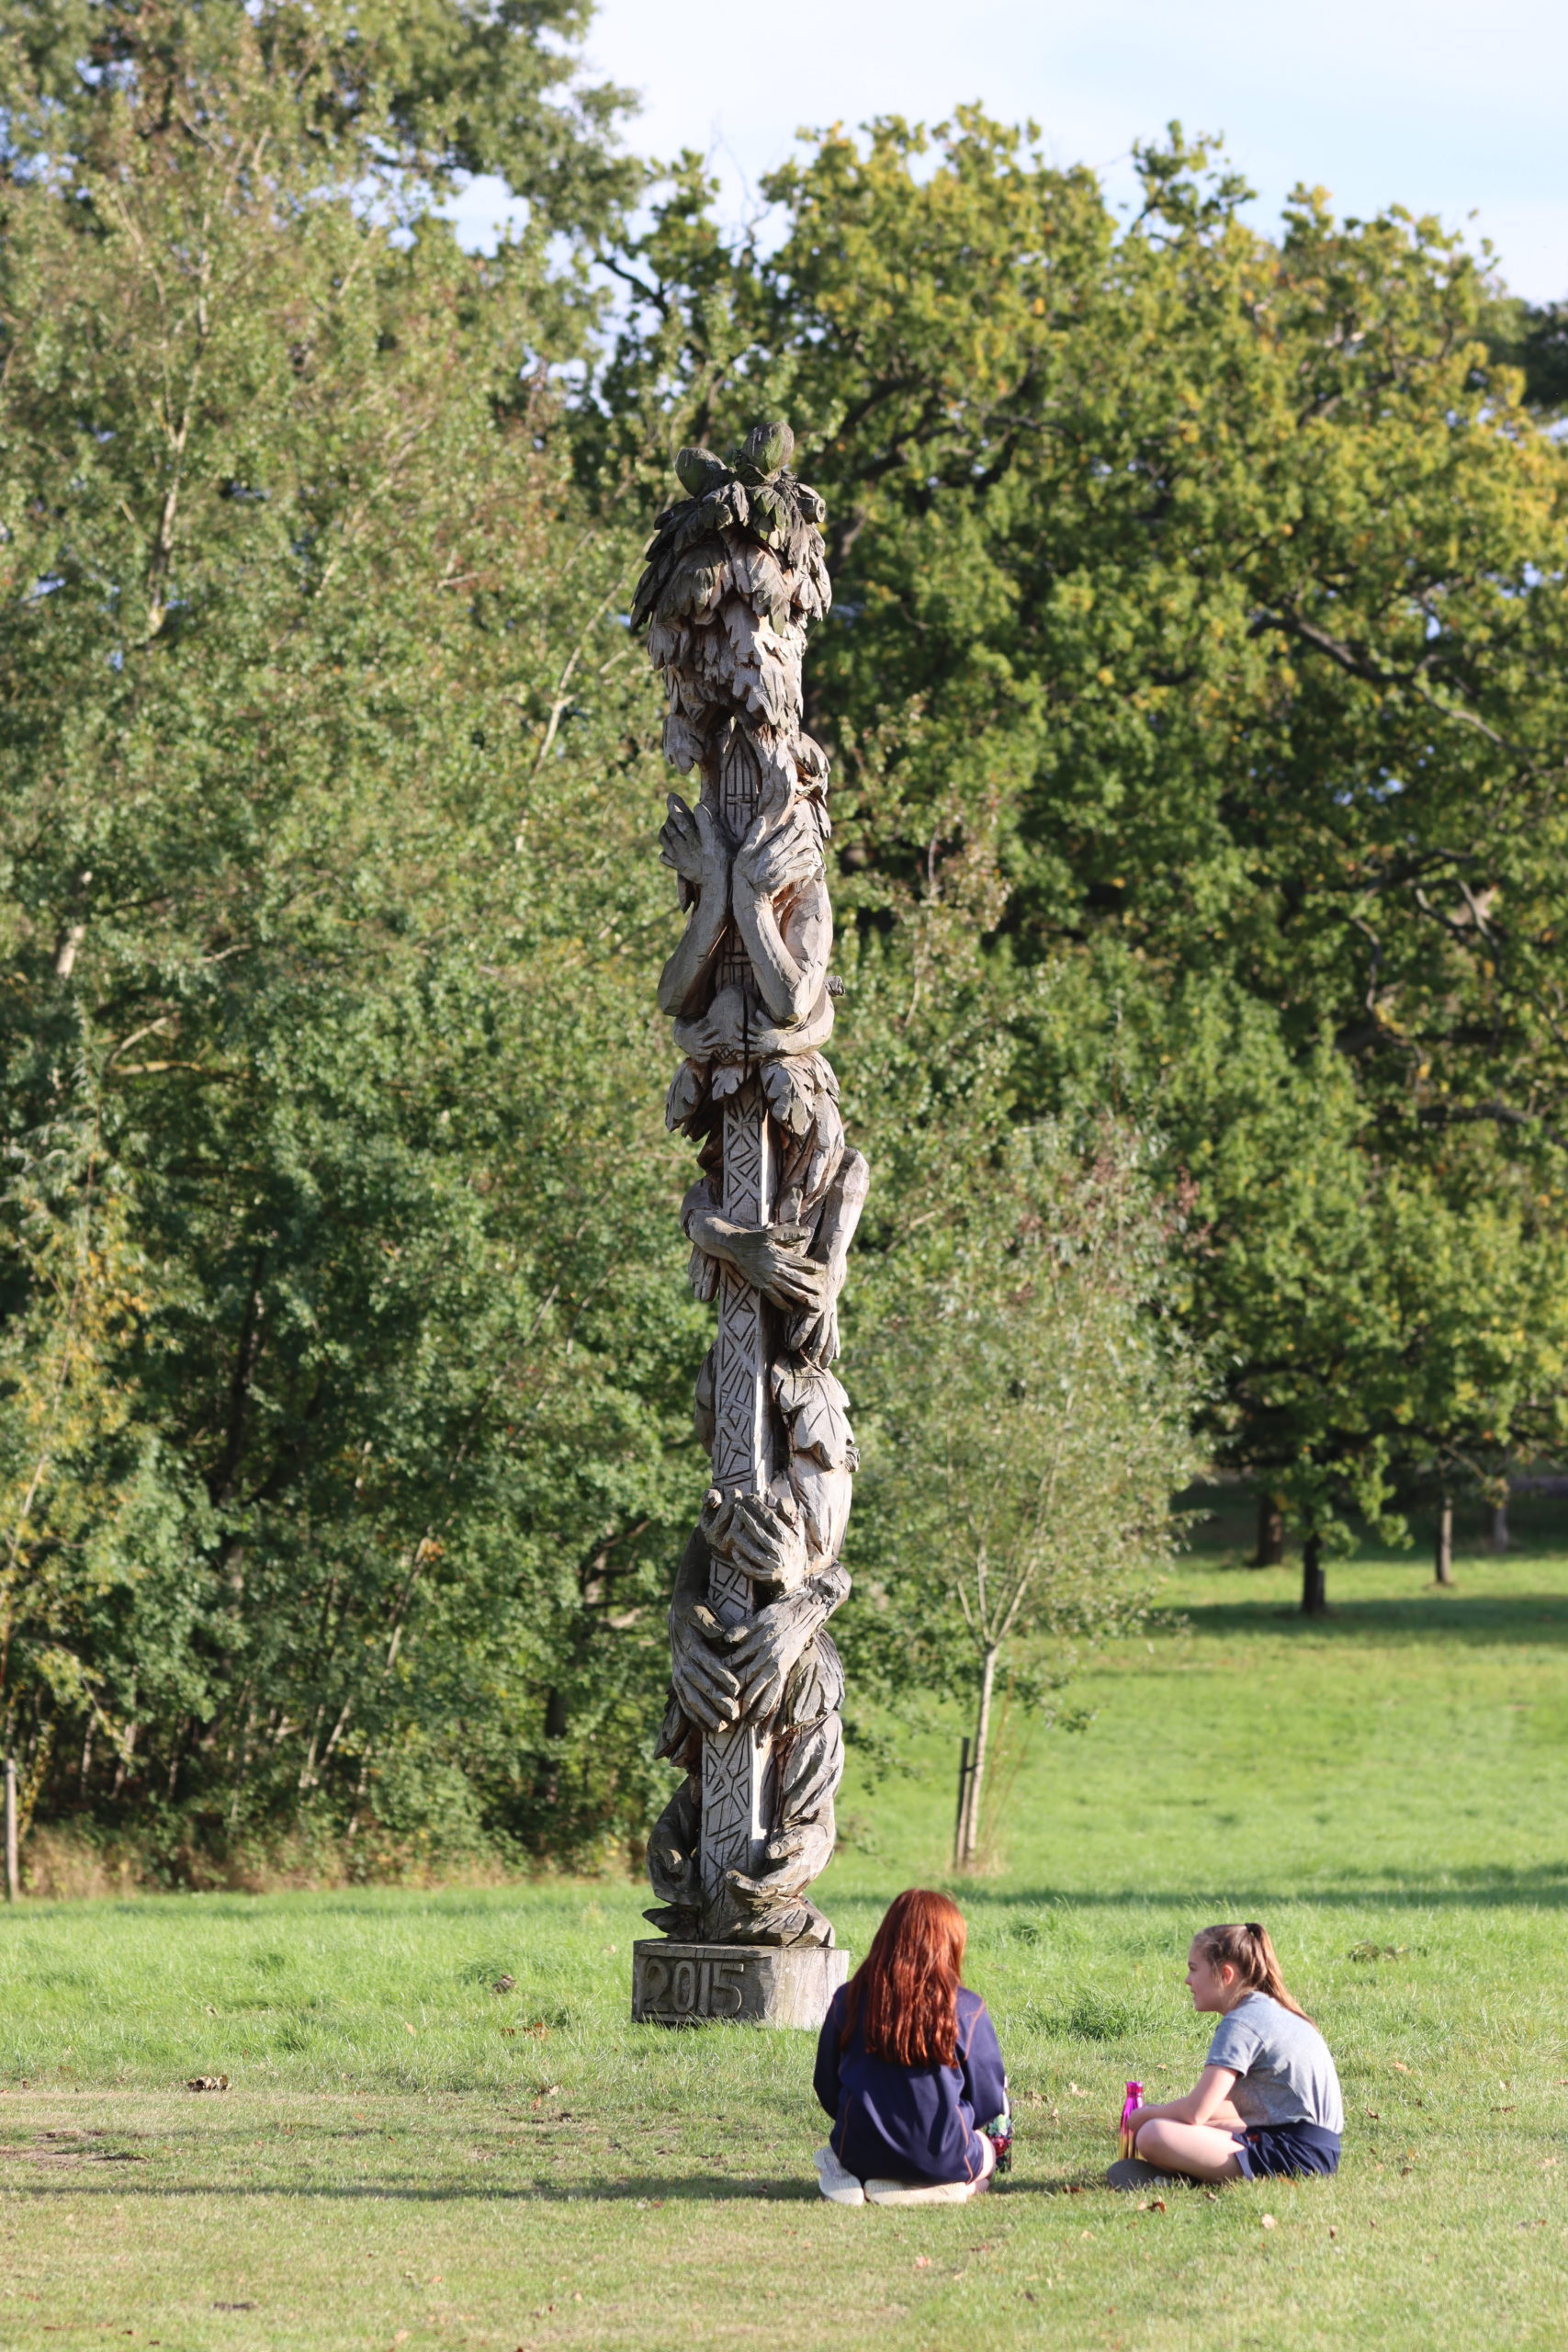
(1195, 688)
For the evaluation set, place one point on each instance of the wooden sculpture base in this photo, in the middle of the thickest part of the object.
(783, 1985)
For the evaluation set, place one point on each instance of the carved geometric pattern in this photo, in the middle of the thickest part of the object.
(734, 1821)
(738, 781)
(740, 1453)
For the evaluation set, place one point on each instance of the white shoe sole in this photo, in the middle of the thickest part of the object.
(898, 2192)
(839, 2187)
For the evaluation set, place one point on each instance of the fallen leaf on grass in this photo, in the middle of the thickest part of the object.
(509, 2032)
(207, 2082)
(1400, 2067)
(922, 2262)
(1333, 2232)
(1373, 2116)
(1269, 2222)
(409, 2028)
(1503, 2110)
(503, 1985)
(1152, 2205)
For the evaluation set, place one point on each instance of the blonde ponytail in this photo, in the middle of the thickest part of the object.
(1248, 1948)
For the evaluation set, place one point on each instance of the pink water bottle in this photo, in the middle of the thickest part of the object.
(1130, 2107)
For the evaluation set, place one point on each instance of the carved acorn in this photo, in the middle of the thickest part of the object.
(768, 447)
(698, 471)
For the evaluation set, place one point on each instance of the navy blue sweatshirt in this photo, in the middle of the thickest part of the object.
(914, 2123)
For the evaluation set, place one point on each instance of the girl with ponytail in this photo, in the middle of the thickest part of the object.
(1268, 2099)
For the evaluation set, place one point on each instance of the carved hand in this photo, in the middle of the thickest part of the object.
(814, 1334)
(772, 1259)
(778, 852)
(766, 1541)
(720, 1033)
(706, 1689)
(731, 1031)
(770, 1645)
(690, 840)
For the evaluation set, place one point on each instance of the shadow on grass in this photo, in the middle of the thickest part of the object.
(1543, 1887)
(650, 2193)
(1484, 1621)
(654, 2192)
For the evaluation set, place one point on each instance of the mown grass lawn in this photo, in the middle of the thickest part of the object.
(406, 2158)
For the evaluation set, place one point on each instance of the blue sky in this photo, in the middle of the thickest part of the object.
(1437, 107)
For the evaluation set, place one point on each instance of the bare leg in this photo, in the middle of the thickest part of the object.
(1198, 2149)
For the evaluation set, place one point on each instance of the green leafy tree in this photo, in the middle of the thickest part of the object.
(1212, 586)
(339, 1242)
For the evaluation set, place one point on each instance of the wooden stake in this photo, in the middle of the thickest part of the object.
(963, 1795)
(12, 1885)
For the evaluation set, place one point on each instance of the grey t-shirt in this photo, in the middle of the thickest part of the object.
(1284, 2074)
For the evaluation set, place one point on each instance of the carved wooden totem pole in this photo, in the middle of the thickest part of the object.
(735, 576)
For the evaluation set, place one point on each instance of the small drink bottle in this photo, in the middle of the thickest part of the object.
(1130, 2107)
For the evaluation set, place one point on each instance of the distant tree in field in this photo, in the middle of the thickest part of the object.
(1211, 588)
(1030, 1427)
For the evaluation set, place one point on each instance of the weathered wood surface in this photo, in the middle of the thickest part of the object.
(735, 575)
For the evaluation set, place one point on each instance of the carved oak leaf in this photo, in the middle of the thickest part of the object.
(682, 742)
(816, 1410)
(688, 1096)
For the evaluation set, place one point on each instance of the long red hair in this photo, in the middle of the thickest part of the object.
(904, 1994)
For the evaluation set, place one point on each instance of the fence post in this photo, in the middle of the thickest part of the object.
(12, 1886)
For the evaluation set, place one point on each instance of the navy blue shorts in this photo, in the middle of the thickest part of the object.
(1271, 2151)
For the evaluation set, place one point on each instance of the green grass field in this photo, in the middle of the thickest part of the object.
(405, 2158)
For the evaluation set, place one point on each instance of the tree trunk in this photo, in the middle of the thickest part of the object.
(1443, 1551)
(978, 1768)
(1500, 1526)
(1315, 1595)
(557, 1722)
(1270, 1552)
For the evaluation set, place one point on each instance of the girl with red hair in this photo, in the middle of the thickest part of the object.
(907, 2065)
